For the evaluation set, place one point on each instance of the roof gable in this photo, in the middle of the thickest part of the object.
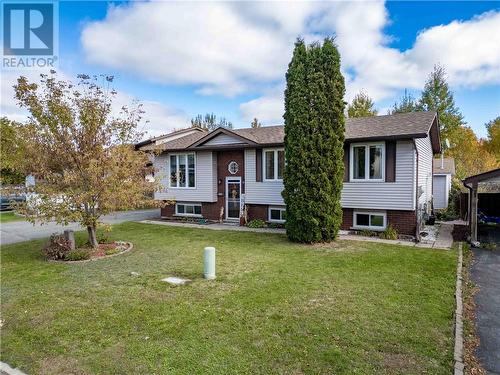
(221, 137)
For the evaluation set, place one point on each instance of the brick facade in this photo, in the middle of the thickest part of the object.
(405, 222)
(211, 210)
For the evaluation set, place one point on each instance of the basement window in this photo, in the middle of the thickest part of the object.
(370, 220)
(277, 214)
(188, 209)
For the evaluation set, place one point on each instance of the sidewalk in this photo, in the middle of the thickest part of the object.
(444, 239)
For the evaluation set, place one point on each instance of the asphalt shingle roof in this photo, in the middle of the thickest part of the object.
(448, 166)
(397, 126)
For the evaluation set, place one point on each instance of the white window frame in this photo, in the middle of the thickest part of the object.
(187, 170)
(281, 209)
(275, 150)
(187, 204)
(367, 162)
(369, 213)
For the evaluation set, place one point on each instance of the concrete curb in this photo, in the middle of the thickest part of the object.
(458, 353)
(5, 368)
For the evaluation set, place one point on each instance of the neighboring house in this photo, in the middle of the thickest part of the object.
(443, 171)
(387, 179)
(156, 141)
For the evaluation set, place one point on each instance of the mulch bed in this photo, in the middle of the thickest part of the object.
(102, 252)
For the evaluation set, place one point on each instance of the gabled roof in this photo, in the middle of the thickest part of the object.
(151, 142)
(397, 126)
(239, 139)
(448, 166)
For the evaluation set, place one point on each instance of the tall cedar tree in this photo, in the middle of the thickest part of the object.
(361, 106)
(314, 138)
(83, 156)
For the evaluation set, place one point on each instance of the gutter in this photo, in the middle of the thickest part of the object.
(417, 234)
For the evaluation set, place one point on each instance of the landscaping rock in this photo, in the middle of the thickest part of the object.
(176, 280)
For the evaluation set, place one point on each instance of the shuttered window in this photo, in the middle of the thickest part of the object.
(367, 162)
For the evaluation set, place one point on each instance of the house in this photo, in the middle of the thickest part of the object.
(443, 171)
(387, 179)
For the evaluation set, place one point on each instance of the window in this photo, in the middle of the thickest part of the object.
(370, 220)
(277, 214)
(182, 171)
(188, 209)
(367, 162)
(233, 167)
(274, 164)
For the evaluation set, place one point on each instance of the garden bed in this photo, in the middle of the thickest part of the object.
(103, 250)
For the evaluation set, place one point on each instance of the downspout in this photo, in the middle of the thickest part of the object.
(417, 232)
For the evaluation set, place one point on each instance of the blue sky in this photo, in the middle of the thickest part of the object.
(182, 59)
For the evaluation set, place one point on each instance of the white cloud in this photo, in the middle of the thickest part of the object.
(268, 108)
(157, 119)
(233, 48)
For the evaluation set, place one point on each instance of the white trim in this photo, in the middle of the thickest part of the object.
(177, 154)
(369, 213)
(275, 150)
(235, 178)
(281, 209)
(367, 162)
(187, 204)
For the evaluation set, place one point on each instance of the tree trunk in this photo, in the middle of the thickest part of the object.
(92, 236)
(70, 236)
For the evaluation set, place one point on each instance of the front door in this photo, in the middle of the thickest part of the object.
(233, 196)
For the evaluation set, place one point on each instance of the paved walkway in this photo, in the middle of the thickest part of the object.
(19, 231)
(444, 240)
(485, 273)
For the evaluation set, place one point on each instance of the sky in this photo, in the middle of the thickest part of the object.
(181, 59)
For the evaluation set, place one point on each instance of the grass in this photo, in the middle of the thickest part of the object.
(275, 308)
(9, 216)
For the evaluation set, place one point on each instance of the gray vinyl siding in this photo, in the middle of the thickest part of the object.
(398, 195)
(206, 179)
(425, 158)
(260, 192)
(223, 139)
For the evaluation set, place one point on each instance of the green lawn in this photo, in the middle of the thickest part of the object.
(9, 216)
(275, 308)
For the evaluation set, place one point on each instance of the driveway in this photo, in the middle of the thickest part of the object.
(485, 272)
(19, 231)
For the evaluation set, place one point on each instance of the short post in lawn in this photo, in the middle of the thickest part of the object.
(209, 263)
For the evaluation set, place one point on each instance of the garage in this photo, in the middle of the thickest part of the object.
(484, 207)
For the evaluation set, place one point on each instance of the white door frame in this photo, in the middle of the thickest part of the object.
(235, 178)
